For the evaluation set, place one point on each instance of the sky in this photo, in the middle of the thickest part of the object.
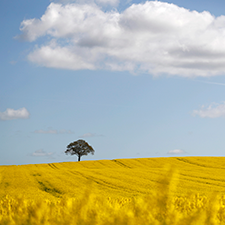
(134, 79)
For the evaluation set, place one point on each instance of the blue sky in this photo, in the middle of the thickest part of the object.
(133, 78)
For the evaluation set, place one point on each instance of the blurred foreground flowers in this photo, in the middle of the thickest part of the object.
(159, 207)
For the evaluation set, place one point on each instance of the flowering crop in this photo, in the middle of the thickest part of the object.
(187, 190)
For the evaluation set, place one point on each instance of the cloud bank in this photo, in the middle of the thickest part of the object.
(176, 151)
(11, 114)
(154, 37)
(212, 111)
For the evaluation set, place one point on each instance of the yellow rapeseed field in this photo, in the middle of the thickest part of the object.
(176, 190)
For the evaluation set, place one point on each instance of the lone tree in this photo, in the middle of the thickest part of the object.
(79, 148)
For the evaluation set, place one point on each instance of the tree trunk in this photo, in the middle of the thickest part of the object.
(78, 158)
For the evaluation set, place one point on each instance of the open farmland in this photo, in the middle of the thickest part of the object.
(177, 188)
(115, 178)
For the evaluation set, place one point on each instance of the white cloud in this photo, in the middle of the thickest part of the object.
(59, 57)
(176, 151)
(212, 111)
(52, 131)
(41, 153)
(11, 114)
(153, 37)
(87, 135)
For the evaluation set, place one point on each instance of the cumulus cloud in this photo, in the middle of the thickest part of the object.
(212, 111)
(153, 37)
(176, 151)
(87, 135)
(41, 153)
(52, 131)
(11, 114)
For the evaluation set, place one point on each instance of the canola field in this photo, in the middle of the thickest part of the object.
(174, 190)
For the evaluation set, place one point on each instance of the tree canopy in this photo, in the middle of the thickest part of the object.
(79, 148)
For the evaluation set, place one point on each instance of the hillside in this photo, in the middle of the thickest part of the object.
(115, 178)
